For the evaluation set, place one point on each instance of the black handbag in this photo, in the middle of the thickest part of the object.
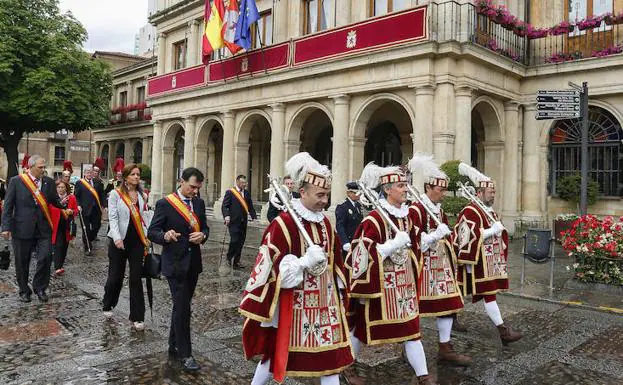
(152, 266)
(5, 258)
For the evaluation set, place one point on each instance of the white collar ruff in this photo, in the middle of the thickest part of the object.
(401, 212)
(305, 213)
(435, 207)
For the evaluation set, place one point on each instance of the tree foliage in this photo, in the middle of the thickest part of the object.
(568, 189)
(451, 168)
(47, 82)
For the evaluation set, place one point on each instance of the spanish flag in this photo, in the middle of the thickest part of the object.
(213, 33)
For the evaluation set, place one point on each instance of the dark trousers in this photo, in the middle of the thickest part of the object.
(92, 224)
(61, 245)
(117, 258)
(182, 291)
(23, 248)
(237, 236)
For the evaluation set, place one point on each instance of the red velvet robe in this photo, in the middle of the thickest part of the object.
(487, 257)
(385, 299)
(319, 340)
(439, 292)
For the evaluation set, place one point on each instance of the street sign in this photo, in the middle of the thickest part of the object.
(558, 104)
(543, 115)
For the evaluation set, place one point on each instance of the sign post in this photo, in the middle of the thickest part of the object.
(569, 104)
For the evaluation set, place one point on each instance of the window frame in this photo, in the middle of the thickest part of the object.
(254, 29)
(59, 161)
(180, 45)
(320, 7)
(390, 8)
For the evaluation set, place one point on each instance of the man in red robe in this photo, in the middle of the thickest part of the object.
(293, 301)
(481, 242)
(383, 267)
(440, 296)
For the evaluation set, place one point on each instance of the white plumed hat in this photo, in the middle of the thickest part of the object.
(479, 179)
(302, 167)
(372, 175)
(424, 170)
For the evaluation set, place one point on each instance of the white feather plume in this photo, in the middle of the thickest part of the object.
(473, 174)
(300, 164)
(423, 167)
(371, 174)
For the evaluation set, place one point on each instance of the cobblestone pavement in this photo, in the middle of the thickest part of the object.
(68, 341)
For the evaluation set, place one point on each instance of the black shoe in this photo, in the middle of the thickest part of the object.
(42, 296)
(238, 266)
(190, 365)
(24, 297)
(89, 253)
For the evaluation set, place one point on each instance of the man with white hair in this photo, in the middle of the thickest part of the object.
(384, 265)
(293, 301)
(27, 219)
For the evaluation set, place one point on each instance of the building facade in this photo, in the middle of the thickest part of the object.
(354, 81)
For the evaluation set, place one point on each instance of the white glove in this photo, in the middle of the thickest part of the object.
(442, 231)
(291, 271)
(429, 239)
(346, 247)
(401, 240)
(313, 256)
(495, 229)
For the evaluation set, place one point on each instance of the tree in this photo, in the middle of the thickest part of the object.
(453, 204)
(47, 82)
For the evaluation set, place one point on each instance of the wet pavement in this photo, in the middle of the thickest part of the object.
(68, 341)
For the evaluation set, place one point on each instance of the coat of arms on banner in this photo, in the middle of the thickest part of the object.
(244, 64)
(464, 234)
(360, 259)
(261, 270)
(173, 82)
(351, 39)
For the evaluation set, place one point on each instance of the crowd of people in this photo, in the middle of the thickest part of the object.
(317, 293)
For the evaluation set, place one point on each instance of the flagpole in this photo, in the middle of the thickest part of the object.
(222, 66)
(259, 35)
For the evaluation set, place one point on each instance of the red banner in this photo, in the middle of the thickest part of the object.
(176, 81)
(393, 29)
(256, 61)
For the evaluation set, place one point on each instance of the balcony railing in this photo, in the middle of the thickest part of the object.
(128, 114)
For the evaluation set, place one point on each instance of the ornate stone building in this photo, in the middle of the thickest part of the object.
(353, 81)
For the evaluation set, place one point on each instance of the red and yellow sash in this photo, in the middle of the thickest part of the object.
(240, 199)
(39, 198)
(137, 220)
(184, 211)
(92, 191)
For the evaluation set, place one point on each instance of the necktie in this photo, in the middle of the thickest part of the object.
(37, 181)
(187, 202)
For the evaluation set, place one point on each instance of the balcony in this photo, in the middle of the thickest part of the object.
(130, 114)
(481, 24)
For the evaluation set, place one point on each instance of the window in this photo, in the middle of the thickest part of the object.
(605, 152)
(262, 31)
(381, 7)
(59, 155)
(319, 15)
(140, 94)
(179, 55)
(138, 152)
(218, 54)
(123, 98)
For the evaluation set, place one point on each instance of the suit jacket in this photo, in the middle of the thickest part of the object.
(86, 199)
(181, 257)
(119, 216)
(274, 212)
(21, 215)
(348, 218)
(232, 208)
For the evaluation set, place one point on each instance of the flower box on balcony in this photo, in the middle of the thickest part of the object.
(562, 28)
(611, 19)
(589, 23)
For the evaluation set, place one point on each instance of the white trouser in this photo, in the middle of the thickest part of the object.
(494, 312)
(444, 326)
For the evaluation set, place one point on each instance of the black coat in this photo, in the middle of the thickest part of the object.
(274, 212)
(86, 200)
(21, 215)
(232, 208)
(178, 258)
(347, 218)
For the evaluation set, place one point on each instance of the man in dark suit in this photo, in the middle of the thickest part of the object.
(273, 212)
(179, 225)
(348, 215)
(237, 206)
(26, 218)
(91, 202)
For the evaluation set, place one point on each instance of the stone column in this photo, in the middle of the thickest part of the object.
(423, 127)
(510, 186)
(211, 162)
(193, 44)
(443, 122)
(147, 151)
(291, 147)
(128, 151)
(130, 93)
(227, 173)
(357, 147)
(156, 162)
(463, 125)
(531, 193)
(169, 178)
(241, 160)
(280, 16)
(277, 130)
(340, 152)
(162, 53)
(342, 13)
(189, 140)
